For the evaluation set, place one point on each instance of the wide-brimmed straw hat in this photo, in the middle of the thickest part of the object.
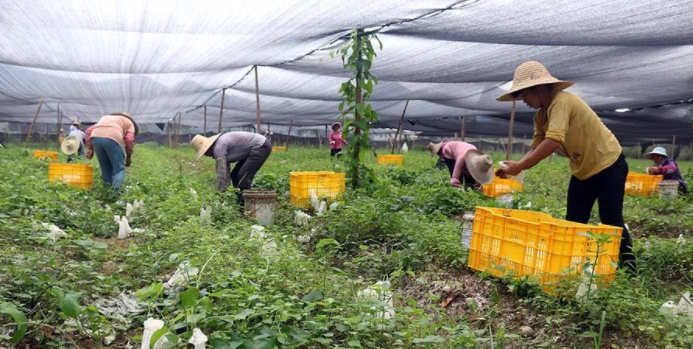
(335, 123)
(479, 165)
(530, 74)
(657, 151)
(434, 148)
(137, 128)
(201, 144)
(75, 122)
(70, 145)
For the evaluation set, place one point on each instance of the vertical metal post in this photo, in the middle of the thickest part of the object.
(221, 111)
(205, 124)
(257, 102)
(463, 127)
(288, 135)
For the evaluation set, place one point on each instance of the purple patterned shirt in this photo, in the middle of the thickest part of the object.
(236, 146)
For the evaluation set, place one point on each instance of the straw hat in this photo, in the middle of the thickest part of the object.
(480, 166)
(70, 145)
(657, 151)
(530, 74)
(75, 122)
(434, 148)
(137, 128)
(201, 144)
(335, 123)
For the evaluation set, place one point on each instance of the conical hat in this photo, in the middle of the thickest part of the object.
(479, 165)
(530, 74)
(201, 144)
(70, 145)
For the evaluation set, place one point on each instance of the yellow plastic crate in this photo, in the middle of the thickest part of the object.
(642, 184)
(395, 160)
(45, 155)
(501, 186)
(534, 244)
(76, 175)
(326, 184)
(279, 148)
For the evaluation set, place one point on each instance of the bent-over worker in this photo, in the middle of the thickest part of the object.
(564, 123)
(468, 166)
(112, 139)
(667, 167)
(248, 150)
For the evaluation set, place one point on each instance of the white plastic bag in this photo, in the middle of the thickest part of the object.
(124, 230)
(322, 207)
(54, 233)
(405, 148)
(135, 207)
(150, 326)
(380, 292)
(301, 218)
(681, 240)
(685, 306)
(257, 232)
(586, 286)
(206, 213)
(314, 200)
(184, 272)
(193, 192)
(198, 339)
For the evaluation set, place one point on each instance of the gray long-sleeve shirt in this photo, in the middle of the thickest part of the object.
(233, 147)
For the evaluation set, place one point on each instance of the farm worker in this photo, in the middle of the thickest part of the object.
(336, 140)
(467, 165)
(76, 131)
(564, 123)
(112, 139)
(248, 150)
(667, 167)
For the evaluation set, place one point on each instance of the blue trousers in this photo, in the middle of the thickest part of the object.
(111, 158)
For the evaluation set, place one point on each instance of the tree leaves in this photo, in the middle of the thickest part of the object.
(18, 317)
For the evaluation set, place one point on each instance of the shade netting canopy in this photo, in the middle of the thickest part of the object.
(450, 59)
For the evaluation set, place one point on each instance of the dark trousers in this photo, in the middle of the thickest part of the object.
(334, 152)
(607, 188)
(243, 173)
(466, 180)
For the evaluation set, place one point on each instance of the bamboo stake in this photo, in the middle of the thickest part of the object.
(170, 142)
(462, 129)
(288, 135)
(221, 111)
(524, 143)
(205, 127)
(673, 148)
(33, 122)
(257, 102)
(510, 133)
(317, 133)
(401, 124)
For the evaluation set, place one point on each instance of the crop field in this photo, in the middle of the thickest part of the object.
(310, 286)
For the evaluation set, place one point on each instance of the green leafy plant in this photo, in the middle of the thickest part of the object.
(357, 56)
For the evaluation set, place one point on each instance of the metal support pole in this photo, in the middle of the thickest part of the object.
(257, 101)
(221, 111)
(288, 135)
(205, 124)
(462, 128)
(401, 125)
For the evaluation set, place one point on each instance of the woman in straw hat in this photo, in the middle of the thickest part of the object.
(468, 166)
(249, 150)
(336, 140)
(564, 123)
(112, 139)
(665, 166)
(76, 131)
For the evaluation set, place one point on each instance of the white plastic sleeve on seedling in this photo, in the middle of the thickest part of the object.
(380, 292)
(184, 272)
(314, 200)
(681, 240)
(586, 286)
(54, 233)
(206, 212)
(685, 306)
(322, 208)
(124, 230)
(128, 210)
(193, 192)
(257, 232)
(198, 339)
(301, 218)
(150, 326)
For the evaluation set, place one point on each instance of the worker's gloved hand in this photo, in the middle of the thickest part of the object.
(652, 170)
(90, 154)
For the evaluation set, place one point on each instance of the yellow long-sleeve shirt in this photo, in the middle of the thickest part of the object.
(585, 140)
